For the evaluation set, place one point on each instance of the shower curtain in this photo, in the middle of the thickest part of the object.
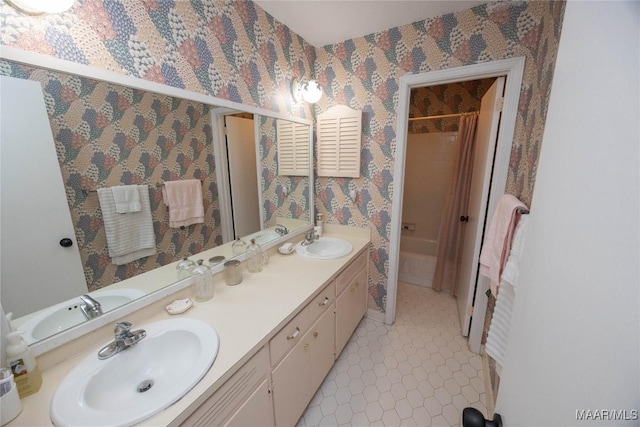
(452, 229)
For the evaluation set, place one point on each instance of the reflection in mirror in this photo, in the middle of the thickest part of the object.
(107, 135)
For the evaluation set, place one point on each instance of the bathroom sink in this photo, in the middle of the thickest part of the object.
(140, 381)
(67, 314)
(325, 248)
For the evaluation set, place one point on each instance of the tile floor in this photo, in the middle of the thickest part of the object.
(417, 372)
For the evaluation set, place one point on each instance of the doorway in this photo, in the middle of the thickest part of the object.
(512, 69)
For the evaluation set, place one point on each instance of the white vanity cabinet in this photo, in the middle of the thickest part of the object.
(243, 400)
(351, 301)
(301, 371)
(275, 386)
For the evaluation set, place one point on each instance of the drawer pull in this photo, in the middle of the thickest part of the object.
(325, 302)
(306, 346)
(353, 288)
(315, 334)
(294, 334)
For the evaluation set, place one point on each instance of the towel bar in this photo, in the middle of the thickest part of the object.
(158, 184)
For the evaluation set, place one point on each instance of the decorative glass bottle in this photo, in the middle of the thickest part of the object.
(202, 283)
(185, 268)
(255, 257)
(239, 247)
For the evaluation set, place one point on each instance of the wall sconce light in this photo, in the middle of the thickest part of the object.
(309, 91)
(34, 7)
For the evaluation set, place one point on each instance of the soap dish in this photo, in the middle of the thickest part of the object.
(179, 306)
(286, 249)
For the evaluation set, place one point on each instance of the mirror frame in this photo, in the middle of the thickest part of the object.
(88, 71)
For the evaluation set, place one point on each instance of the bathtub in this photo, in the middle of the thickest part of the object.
(417, 260)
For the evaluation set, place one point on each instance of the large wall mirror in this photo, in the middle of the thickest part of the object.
(104, 134)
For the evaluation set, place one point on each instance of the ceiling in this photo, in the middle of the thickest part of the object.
(324, 22)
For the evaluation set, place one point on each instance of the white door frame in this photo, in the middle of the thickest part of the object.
(511, 68)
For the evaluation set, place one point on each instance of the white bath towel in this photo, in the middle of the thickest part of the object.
(129, 236)
(127, 198)
(498, 335)
(184, 199)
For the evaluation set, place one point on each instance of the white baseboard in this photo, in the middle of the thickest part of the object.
(375, 315)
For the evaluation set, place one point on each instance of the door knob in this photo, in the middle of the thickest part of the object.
(66, 242)
(471, 417)
(464, 218)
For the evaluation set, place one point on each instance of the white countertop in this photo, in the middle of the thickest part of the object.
(245, 316)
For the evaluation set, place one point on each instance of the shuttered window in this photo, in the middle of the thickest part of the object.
(293, 148)
(339, 141)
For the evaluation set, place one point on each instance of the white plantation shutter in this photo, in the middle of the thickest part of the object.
(293, 148)
(339, 140)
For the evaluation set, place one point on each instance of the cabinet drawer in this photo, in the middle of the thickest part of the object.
(349, 273)
(289, 336)
(322, 302)
(232, 394)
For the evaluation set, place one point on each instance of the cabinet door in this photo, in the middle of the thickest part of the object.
(350, 307)
(291, 387)
(256, 411)
(321, 338)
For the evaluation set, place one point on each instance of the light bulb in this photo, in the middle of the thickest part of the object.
(311, 92)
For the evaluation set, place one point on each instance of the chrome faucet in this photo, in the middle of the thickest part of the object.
(310, 238)
(123, 340)
(281, 230)
(90, 308)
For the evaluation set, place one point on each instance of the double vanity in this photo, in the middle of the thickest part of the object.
(277, 335)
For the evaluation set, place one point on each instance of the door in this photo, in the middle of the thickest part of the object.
(243, 175)
(28, 152)
(486, 137)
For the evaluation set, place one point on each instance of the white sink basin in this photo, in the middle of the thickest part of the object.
(325, 248)
(173, 358)
(67, 314)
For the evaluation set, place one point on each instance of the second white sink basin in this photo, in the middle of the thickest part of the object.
(140, 381)
(325, 248)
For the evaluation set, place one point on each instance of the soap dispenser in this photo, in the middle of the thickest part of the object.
(319, 228)
(23, 365)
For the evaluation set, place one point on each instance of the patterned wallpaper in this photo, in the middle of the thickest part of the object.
(225, 48)
(108, 135)
(364, 73)
(234, 50)
(274, 203)
(459, 97)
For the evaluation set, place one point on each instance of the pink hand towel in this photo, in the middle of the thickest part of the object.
(498, 238)
(184, 199)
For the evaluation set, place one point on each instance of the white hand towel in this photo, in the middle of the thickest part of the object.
(127, 198)
(130, 236)
(498, 335)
